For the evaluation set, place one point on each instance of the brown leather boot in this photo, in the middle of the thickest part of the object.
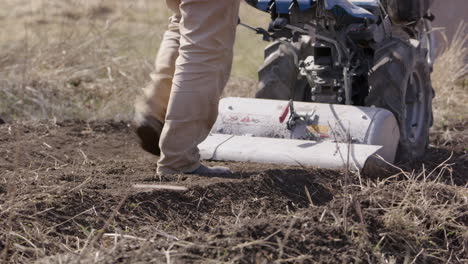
(148, 130)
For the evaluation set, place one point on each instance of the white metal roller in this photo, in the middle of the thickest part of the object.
(250, 130)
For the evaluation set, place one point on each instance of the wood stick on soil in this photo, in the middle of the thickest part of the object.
(311, 203)
(160, 187)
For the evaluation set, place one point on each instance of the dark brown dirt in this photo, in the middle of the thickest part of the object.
(67, 191)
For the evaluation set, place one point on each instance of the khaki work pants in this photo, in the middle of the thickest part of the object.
(192, 68)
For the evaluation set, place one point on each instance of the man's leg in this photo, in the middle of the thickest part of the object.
(150, 109)
(203, 67)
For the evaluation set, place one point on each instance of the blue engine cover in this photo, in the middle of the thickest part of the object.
(282, 6)
(354, 8)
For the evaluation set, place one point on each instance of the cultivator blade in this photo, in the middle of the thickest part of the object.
(287, 152)
(317, 135)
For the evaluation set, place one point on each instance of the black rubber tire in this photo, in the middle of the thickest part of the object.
(278, 76)
(400, 82)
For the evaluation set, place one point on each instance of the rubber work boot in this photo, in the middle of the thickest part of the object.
(148, 130)
(202, 170)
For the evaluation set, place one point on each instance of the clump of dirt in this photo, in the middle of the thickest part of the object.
(67, 195)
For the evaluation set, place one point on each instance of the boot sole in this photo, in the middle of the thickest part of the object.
(149, 139)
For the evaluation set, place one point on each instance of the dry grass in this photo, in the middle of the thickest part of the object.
(450, 83)
(75, 59)
(424, 216)
(88, 59)
(416, 220)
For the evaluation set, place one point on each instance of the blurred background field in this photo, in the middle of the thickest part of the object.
(88, 59)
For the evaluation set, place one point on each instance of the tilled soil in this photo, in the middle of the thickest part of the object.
(67, 195)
